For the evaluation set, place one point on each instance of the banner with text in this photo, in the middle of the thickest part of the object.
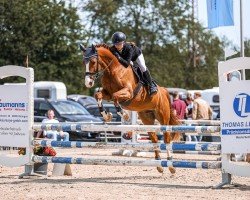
(14, 125)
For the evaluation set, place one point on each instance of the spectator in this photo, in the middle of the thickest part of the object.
(55, 135)
(179, 106)
(201, 110)
(189, 103)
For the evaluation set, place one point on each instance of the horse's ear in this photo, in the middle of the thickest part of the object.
(93, 48)
(82, 47)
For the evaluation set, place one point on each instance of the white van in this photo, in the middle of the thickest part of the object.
(50, 90)
(212, 96)
(47, 89)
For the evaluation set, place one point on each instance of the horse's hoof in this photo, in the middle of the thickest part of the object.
(126, 116)
(108, 117)
(172, 170)
(160, 169)
(98, 96)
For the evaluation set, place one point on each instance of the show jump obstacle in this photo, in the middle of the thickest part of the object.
(17, 126)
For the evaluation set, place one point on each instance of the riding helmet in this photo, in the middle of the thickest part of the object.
(118, 37)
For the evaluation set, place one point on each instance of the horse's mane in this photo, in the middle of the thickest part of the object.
(103, 45)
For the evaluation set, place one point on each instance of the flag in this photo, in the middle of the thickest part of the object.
(229, 52)
(220, 13)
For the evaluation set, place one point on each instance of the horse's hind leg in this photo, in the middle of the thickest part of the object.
(163, 117)
(148, 118)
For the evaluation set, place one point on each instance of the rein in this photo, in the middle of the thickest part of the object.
(98, 74)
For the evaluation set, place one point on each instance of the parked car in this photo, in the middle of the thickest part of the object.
(90, 104)
(82, 99)
(94, 110)
(116, 119)
(66, 111)
(85, 99)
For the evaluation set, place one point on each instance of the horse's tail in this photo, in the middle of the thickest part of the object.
(176, 136)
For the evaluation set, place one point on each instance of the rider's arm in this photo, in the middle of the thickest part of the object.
(125, 62)
(124, 59)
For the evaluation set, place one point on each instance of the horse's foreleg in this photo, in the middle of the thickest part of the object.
(121, 112)
(122, 95)
(107, 116)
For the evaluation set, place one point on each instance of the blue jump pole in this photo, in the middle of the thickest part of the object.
(146, 128)
(139, 146)
(128, 162)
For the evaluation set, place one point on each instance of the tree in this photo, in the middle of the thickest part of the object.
(47, 32)
(177, 49)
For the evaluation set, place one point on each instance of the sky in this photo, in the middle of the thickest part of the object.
(231, 32)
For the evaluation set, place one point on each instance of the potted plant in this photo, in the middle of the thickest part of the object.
(40, 168)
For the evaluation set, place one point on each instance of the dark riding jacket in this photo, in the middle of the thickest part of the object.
(130, 52)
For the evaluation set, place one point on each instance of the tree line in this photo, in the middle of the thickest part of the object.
(178, 50)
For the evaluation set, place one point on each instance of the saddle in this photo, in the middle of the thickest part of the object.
(141, 83)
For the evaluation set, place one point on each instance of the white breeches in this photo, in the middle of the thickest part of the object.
(141, 62)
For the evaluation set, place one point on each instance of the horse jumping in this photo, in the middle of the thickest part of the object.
(122, 86)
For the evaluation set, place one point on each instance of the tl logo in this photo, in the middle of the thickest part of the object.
(241, 105)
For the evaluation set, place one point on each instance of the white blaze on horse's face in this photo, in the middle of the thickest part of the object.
(89, 82)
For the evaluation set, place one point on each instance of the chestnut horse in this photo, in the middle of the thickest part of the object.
(121, 85)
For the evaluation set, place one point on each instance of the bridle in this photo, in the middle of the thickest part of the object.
(97, 74)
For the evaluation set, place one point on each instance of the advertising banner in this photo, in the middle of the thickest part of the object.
(234, 107)
(14, 129)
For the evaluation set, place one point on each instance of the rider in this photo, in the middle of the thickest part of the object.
(128, 52)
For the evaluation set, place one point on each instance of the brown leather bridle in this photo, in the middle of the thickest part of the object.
(97, 74)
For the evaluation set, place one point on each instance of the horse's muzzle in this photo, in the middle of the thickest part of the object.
(89, 82)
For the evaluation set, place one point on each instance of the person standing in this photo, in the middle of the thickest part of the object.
(190, 103)
(179, 106)
(201, 110)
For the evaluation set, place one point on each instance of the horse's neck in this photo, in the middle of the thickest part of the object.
(118, 77)
(109, 61)
(114, 71)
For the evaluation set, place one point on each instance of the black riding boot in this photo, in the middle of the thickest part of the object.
(152, 87)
